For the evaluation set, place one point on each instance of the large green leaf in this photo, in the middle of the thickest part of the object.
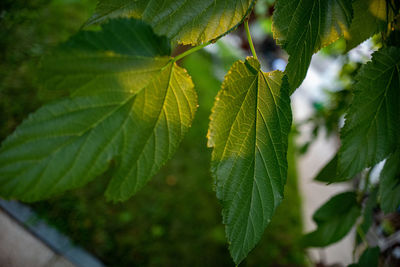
(133, 122)
(334, 220)
(370, 17)
(248, 131)
(372, 126)
(389, 188)
(303, 27)
(184, 21)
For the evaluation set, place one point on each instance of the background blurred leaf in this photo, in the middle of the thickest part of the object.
(334, 220)
(369, 258)
(28, 30)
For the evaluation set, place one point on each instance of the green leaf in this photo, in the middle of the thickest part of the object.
(186, 22)
(389, 189)
(303, 27)
(370, 17)
(372, 127)
(133, 122)
(369, 258)
(334, 220)
(124, 53)
(248, 131)
(328, 174)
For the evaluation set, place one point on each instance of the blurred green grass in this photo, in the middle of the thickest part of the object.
(175, 220)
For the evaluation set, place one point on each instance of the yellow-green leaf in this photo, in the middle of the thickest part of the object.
(118, 113)
(183, 21)
(124, 53)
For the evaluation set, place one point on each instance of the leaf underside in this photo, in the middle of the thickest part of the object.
(303, 27)
(183, 21)
(372, 127)
(126, 107)
(248, 131)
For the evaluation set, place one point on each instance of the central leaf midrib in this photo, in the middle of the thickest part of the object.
(235, 119)
(150, 132)
(254, 162)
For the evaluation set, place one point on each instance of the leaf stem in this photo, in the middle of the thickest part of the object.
(190, 51)
(246, 26)
(362, 235)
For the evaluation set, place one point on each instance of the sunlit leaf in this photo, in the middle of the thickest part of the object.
(184, 21)
(248, 131)
(125, 53)
(303, 27)
(372, 126)
(115, 115)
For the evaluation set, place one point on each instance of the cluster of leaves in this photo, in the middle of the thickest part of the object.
(370, 134)
(130, 104)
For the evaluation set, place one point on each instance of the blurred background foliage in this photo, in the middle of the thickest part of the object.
(175, 220)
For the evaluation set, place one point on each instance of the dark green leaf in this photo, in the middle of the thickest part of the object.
(303, 27)
(334, 220)
(184, 21)
(369, 258)
(389, 189)
(118, 113)
(372, 126)
(248, 131)
(370, 17)
(328, 174)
